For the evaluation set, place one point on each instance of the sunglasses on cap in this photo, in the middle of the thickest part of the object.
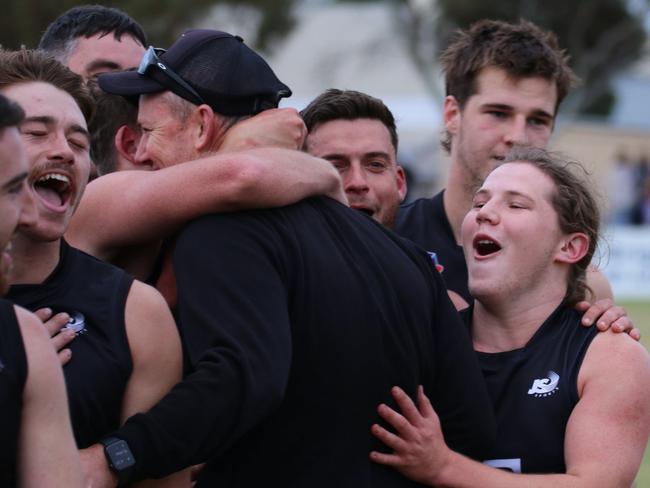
(151, 60)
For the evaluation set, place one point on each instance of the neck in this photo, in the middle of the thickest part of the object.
(458, 197)
(507, 323)
(33, 261)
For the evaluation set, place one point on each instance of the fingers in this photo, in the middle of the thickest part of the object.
(424, 404)
(386, 459)
(395, 420)
(43, 313)
(596, 311)
(64, 356)
(388, 438)
(55, 323)
(635, 334)
(406, 405)
(615, 315)
(60, 340)
(622, 323)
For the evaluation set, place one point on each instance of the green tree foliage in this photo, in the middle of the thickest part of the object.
(23, 21)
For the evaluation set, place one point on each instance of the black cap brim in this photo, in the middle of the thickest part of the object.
(128, 84)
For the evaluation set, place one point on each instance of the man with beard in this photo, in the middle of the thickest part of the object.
(37, 445)
(127, 353)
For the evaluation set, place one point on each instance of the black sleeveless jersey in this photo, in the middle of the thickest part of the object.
(533, 391)
(94, 294)
(424, 222)
(13, 373)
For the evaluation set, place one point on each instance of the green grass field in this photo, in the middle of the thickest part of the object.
(640, 313)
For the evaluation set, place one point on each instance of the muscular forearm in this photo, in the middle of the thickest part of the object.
(154, 204)
(462, 472)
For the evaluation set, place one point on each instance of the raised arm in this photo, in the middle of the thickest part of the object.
(47, 455)
(134, 207)
(605, 436)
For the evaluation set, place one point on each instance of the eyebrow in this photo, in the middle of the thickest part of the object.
(510, 193)
(103, 63)
(508, 108)
(377, 154)
(48, 120)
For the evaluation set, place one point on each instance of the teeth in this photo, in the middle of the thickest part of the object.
(485, 241)
(54, 176)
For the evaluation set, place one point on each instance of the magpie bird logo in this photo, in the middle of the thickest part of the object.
(77, 323)
(544, 387)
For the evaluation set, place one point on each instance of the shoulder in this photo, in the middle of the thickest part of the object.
(616, 360)
(418, 213)
(417, 205)
(259, 224)
(145, 300)
(80, 259)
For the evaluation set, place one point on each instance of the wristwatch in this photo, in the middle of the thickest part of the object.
(120, 459)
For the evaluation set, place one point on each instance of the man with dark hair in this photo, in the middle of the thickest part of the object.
(127, 352)
(37, 446)
(504, 85)
(256, 165)
(528, 241)
(283, 310)
(114, 122)
(93, 39)
(357, 134)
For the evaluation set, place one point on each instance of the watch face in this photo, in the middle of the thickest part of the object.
(120, 455)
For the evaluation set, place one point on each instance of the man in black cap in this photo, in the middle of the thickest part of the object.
(257, 164)
(297, 320)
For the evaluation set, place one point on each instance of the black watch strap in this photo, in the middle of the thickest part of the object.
(120, 458)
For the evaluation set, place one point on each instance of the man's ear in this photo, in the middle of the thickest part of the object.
(451, 114)
(573, 248)
(400, 178)
(126, 142)
(204, 127)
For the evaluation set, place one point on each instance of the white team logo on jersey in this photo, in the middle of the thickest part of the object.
(77, 323)
(544, 387)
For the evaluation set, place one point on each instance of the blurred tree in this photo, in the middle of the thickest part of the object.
(603, 37)
(23, 21)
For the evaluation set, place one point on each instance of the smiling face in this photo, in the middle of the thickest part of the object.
(101, 53)
(165, 139)
(362, 151)
(57, 143)
(511, 236)
(503, 112)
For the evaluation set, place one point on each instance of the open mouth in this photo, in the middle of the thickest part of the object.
(54, 189)
(485, 246)
(365, 210)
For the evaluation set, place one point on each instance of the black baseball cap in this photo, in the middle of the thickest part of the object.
(204, 66)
